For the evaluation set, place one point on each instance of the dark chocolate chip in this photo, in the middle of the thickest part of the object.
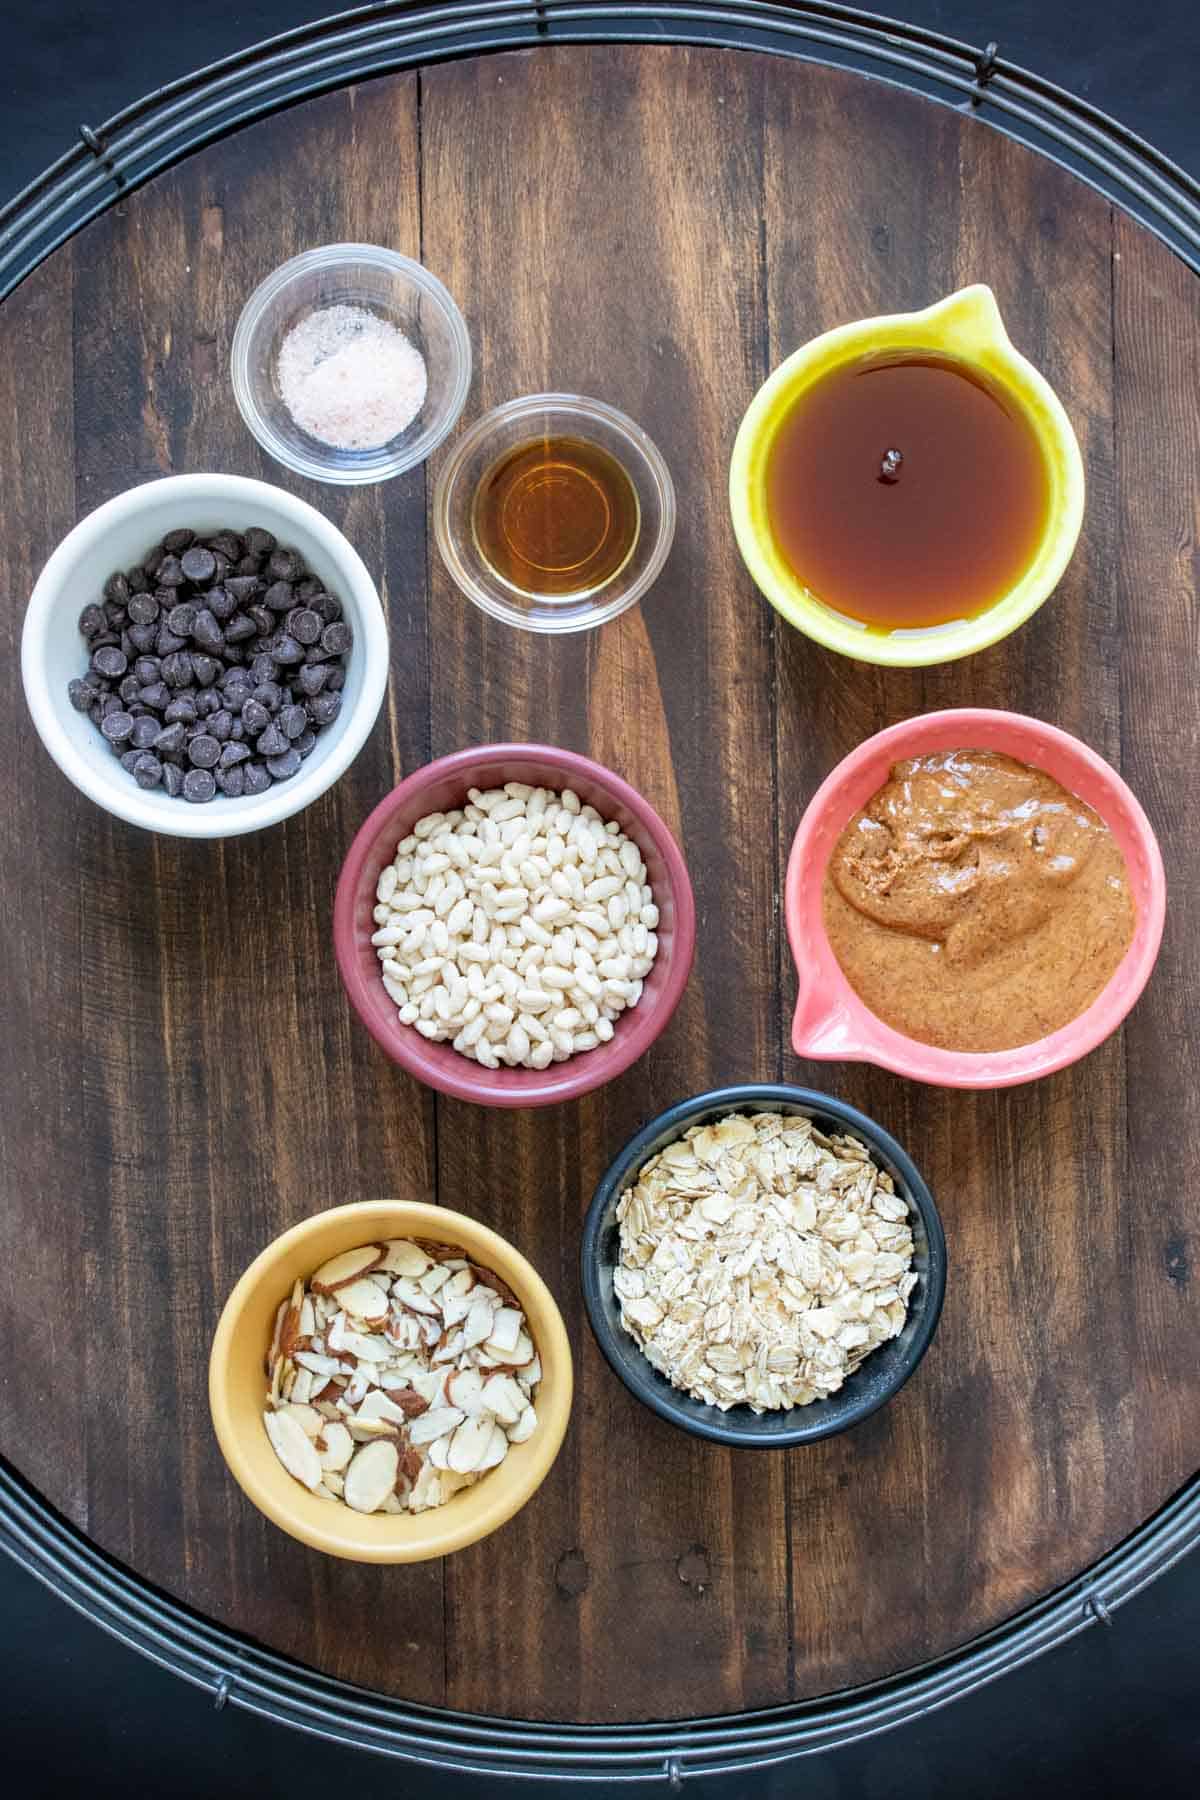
(257, 781)
(255, 717)
(337, 679)
(220, 724)
(287, 651)
(204, 752)
(117, 727)
(128, 757)
(180, 540)
(207, 701)
(262, 669)
(293, 720)
(136, 579)
(199, 785)
(80, 694)
(147, 669)
(206, 632)
(182, 711)
(232, 754)
(304, 624)
(312, 678)
(177, 669)
(152, 563)
(269, 694)
(147, 770)
(143, 638)
(239, 629)
(181, 619)
(280, 597)
(167, 642)
(156, 695)
(145, 730)
(171, 739)
(282, 768)
(143, 609)
(325, 708)
(247, 565)
(258, 542)
(169, 573)
(117, 588)
(272, 741)
(232, 783)
(173, 780)
(92, 621)
(264, 619)
(329, 607)
(222, 603)
(111, 661)
(305, 742)
(199, 565)
(337, 638)
(227, 544)
(205, 668)
(284, 565)
(128, 690)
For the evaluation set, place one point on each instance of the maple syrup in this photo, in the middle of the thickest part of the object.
(556, 516)
(904, 490)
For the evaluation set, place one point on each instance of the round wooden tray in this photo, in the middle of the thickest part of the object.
(183, 1078)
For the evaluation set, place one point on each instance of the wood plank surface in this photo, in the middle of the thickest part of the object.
(656, 227)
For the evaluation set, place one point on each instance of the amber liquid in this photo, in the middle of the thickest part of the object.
(556, 516)
(953, 529)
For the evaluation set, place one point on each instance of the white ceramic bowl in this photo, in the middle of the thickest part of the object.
(119, 534)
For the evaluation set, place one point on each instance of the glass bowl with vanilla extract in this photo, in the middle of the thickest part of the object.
(554, 512)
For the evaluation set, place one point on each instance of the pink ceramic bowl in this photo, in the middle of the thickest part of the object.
(831, 1023)
(439, 787)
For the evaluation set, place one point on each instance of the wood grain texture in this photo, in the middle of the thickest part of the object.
(183, 1078)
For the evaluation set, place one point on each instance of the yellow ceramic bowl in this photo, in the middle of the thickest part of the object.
(237, 1388)
(966, 326)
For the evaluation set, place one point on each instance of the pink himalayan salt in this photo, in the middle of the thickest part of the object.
(350, 378)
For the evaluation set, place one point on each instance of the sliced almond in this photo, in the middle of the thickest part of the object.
(338, 1448)
(335, 1337)
(333, 1482)
(522, 1352)
(365, 1301)
(402, 1257)
(433, 1424)
(427, 1490)
(531, 1374)
(459, 1284)
(378, 1406)
(308, 1317)
(506, 1328)
(478, 1326)
(371, 1477)
(455, 1308)
(496, 1451)
(347, 1266)
(450, 1348)
(293, 1448)
(524, 1428)
(307, 1417)
(392, 1504)
(469, 1445)
(412, 1296)
(503, 1398)
(434, 1279)
(364, 1431)
(464, 1389)
(439, 1452)
(289, 1335)
(316, 1363)
(492, 1280)
(273, 1352)
(368, 1347)
(302, 1387)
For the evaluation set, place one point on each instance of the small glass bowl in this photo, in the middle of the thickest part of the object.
(524, 421)
(383, 282)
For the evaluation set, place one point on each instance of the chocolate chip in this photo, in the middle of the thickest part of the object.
(222, 603)
(93, 620)
(181, 619)
(227, 544)
(239, 629)
(199, 565)
(287, 651)
(181, 711)
(128, 757)
(110, 661)
(204, 752)
(145, 730)
(280, 597)
(169, 573)
(284, 565)
(262, 669)
(171, 739)
(255, 717)
(80, 694)
(306, 742)
(293, 720)
(233, 754)
(156, 695)
(312, 678)
(257, 781)
(282, 768)
(147, 770)
(258, 542)
(247, 565)
(337, 638)
(207, 701)
(205, 668)
(152, 563)
(272, 741)
(337, 679)
(198, 785)
(329, 607)
(264, 620)
(177, 669)
(117, 727)
(173, 780)
(269, 694)
(304, 624)
(166, 642)
(220, 724)
(128, 689)
(206, 632)
(232, 783)
(143, 638)
(116, 588)
(143, 609)
(179, 540)
(325, 708)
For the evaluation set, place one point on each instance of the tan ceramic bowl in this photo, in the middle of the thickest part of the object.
(237, 1388)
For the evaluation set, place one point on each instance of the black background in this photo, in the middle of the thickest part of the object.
(1114, 1713)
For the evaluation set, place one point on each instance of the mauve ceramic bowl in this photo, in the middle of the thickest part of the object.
(882, 1373)
(441, 786)
(832, 1024)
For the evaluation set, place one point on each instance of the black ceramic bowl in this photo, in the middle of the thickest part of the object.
(875, 1381)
